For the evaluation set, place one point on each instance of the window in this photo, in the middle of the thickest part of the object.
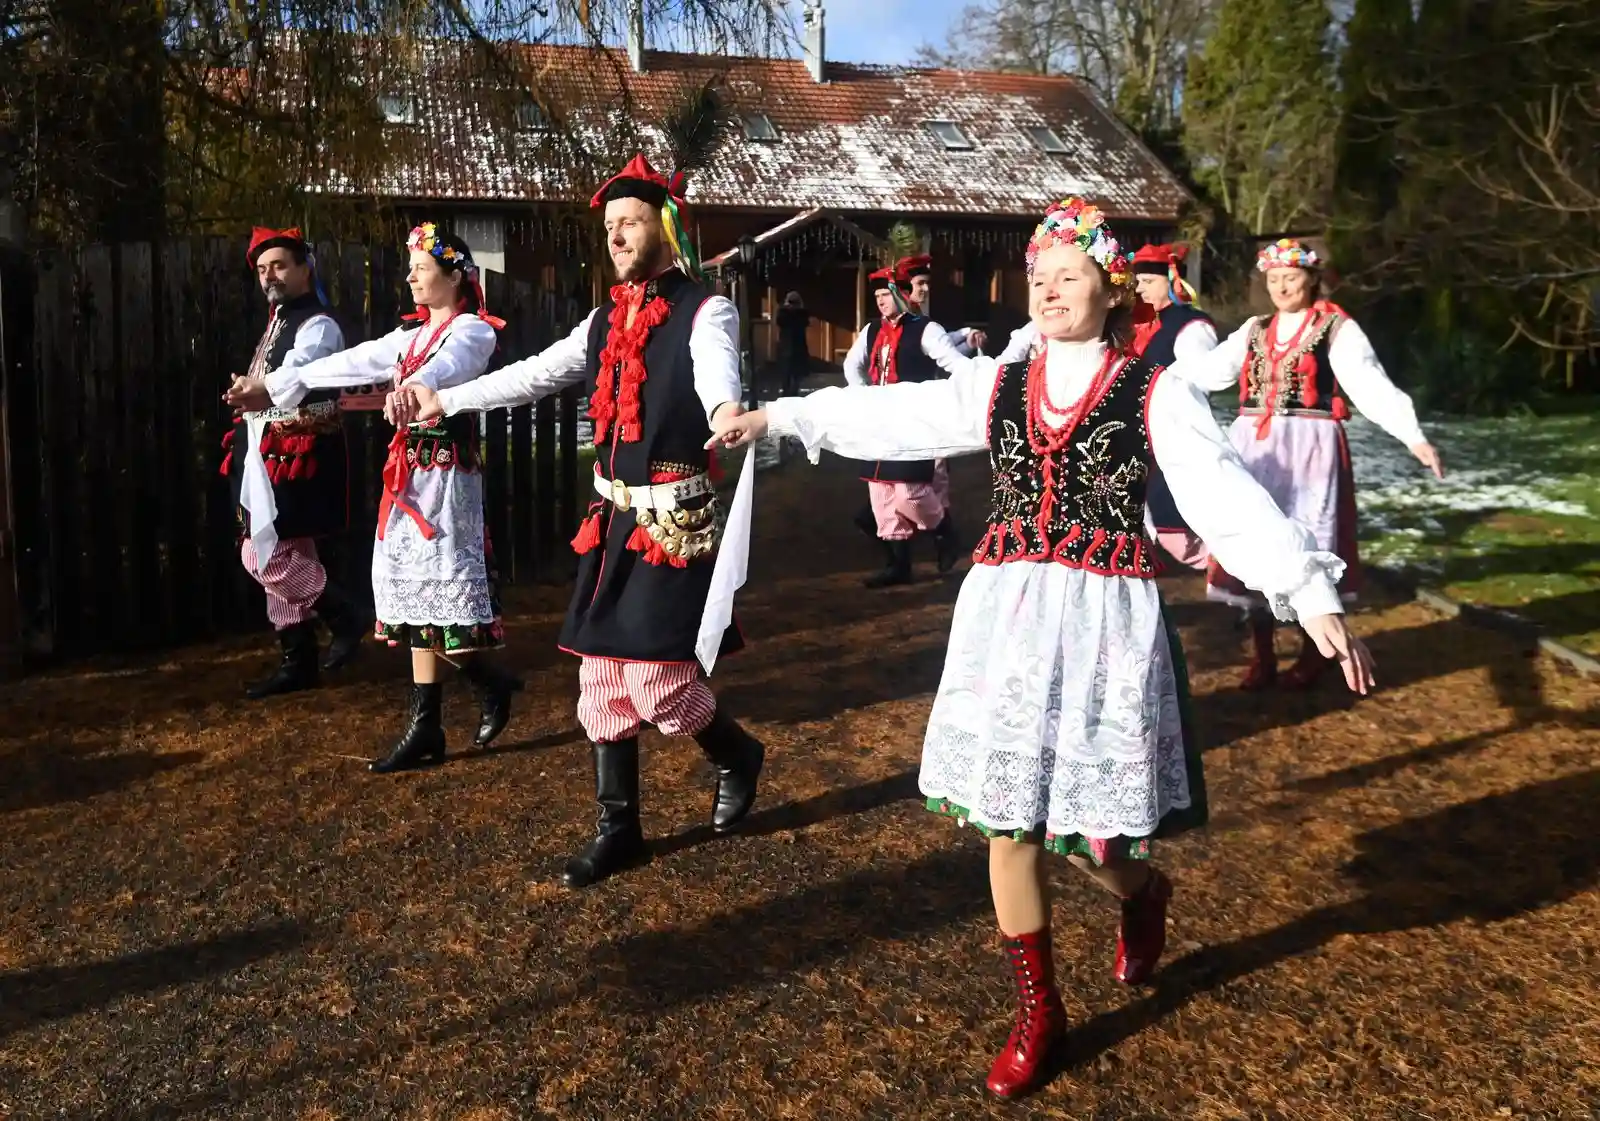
(758, 126)
(950, 135)
(1046, 139)
(398, 108)
(531, 118)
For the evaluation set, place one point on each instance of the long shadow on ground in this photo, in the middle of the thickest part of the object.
(1490, 860)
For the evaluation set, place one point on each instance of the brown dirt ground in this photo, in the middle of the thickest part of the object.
(211, 910)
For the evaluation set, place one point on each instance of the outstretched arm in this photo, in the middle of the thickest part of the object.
(1020, 345)
(550, 371)
(1213, 368)
(1244, 529)
(907, 420)
(1363, 379)
(366, 363)
(936, 344)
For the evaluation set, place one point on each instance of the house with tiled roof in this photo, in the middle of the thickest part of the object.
(824, 158)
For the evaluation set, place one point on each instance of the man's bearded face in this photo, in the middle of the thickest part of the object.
(636, 240)
(282, 278)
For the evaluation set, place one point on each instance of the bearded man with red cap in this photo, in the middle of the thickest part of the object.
(286, 468)
(660, 358)
(906, 498)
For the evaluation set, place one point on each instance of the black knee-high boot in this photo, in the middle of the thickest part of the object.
(346, 622)
(297, 669)
(738, 757)
(494, 687)
(619, 839)
(423, 739)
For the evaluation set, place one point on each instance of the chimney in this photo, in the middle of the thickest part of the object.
(636, 35)
(816, 44)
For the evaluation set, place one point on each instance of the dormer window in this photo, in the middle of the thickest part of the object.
(1046, 140)
(950, 135)
(531, 118)
(758, 126)
(398, 108)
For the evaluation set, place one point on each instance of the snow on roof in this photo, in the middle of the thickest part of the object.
(856, 143)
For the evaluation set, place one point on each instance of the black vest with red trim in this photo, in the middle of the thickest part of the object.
(910, 364)
(1300, 382)
(306, 455)
(1086, 509)
(1171, 321)
(624, 606)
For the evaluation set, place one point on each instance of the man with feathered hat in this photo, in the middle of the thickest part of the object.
(660, 358)
(286, 468)
(899, 345)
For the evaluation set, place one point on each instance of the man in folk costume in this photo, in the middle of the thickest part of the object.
(660, 358)
(1178, 329)
(286, 468)
(902, 346)
(915, 276)
(1295, 368)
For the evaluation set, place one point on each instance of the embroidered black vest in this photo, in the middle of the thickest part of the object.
(1301, 383)
(1171, 321)
(305, 454)
(625, 605)
(910, 364)
(1089, 512)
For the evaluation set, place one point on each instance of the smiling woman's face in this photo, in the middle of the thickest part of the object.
(1069, 296)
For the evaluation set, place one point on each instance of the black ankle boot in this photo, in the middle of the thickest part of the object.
(346, 622)
(738, 757)
(423, 740)
(298, 668)
(866, 521)
(494, 687)
(619, 843)
(898, 568)
(948, 543)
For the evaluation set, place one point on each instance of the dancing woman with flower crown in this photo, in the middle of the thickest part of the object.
(1060, 721)
(432, 583)
(1294, 369)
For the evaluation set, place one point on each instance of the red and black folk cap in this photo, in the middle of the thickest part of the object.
(906, 268)
(1159, 260)
(882, 279)
(262, 238)
(640, 181)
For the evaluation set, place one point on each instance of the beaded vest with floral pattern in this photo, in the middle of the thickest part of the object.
(1082, 506)
(1294, 377)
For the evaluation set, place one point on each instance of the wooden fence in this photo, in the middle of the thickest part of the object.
(114, 359)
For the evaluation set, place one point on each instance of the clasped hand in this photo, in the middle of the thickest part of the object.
(732, 427)
(411, 403)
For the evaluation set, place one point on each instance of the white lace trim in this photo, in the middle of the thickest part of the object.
(1315, 568)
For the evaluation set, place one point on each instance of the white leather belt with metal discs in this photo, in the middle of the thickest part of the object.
(301, 412)
(659, 511)
(661, 498)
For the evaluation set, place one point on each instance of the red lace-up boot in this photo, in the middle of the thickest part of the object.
(1307, 667)
(1041, 1019)
(1263, 669)
(1144, 930)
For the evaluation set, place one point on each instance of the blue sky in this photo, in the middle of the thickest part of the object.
(886, 31)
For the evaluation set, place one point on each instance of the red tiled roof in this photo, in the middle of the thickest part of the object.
(855, 143)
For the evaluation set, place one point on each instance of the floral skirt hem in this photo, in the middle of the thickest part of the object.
(1097, 849)
(442, 638)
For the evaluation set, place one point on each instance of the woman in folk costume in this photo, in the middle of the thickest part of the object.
(432, 582)
(1294, 369)
(1059, 724)
(1178, 329)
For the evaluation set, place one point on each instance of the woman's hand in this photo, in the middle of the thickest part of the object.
(732, 427)
(1428, 456)
(1333, 638)
(410, 404)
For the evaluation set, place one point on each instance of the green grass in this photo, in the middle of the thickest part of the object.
(1516, 526)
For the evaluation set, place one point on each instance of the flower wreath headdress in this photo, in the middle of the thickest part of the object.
(426, 238)
(1082, 225)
